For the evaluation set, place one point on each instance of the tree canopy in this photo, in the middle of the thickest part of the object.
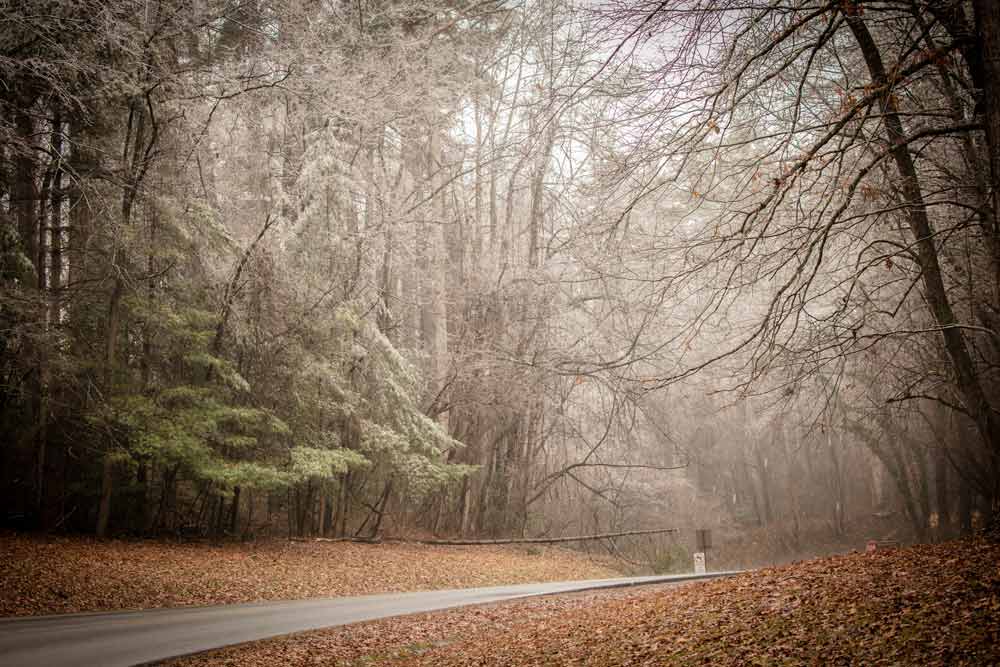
(492, 268)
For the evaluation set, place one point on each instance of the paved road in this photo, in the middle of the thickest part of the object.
(131, 638)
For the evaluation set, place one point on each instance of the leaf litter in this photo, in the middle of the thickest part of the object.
(934, 605)
(69, 574)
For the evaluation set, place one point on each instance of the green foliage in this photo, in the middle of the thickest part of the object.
(247, 474)
(192, 412)
(313, 463)
(189, 426)
(178, 333)
(394, 433)
(17, 267)
(349, 402)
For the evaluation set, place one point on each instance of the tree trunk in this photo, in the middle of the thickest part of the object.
(251, 503)
(141, 499)
(761, 465)
(234, 511)
(966, 376)
(466, 503)
(838, 484)
(132, 145)
(536, 217)
(380, 509)
(107, 486)
(340, 521)
(941, 465)
(964, 507)
(53, 313)
(25, 194)
(218, 514)
(168, 500)
(24, 205)
(324, 515)
(80, 211)
(111, 345)
(987, 17)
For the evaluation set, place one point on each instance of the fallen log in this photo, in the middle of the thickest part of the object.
(362, 540)
(546, 540)
(472, 543)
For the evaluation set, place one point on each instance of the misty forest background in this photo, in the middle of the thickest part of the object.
(496, 269)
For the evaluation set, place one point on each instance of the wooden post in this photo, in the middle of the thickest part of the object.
(703, 542)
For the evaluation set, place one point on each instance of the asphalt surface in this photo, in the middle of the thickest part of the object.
(137, 637)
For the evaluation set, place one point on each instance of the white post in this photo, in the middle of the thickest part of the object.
(699, 562)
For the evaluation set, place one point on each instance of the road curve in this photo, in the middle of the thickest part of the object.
(136, 637)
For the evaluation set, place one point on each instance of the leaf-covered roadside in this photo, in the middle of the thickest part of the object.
(389, 639)
(923, 605)
(60, 575)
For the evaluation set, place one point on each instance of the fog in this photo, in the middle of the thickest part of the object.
(495, 270)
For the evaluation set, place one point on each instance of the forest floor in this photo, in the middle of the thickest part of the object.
(53, 575)
(922, 605)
